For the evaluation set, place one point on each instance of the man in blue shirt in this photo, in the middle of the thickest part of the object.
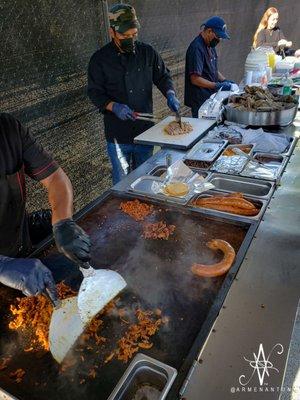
(202, 77)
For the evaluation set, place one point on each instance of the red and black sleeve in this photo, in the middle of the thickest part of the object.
(38, 163)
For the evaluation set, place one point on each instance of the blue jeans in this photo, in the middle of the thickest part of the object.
(126, 157)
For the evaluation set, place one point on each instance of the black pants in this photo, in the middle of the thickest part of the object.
(194, 111)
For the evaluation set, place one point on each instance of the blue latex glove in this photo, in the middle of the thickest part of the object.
(72, 241)
(229, 81)
(225, 85)
(172, 101)
(123, 112)
(28, 275)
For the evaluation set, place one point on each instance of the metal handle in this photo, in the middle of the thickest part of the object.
(86, 269)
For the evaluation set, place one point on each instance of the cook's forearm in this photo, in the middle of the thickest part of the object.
(60, 194)
(202, 82)
(221, 77)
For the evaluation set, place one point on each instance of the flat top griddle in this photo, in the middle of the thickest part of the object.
(158, 276)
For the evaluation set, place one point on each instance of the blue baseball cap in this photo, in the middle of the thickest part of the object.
(217, 24)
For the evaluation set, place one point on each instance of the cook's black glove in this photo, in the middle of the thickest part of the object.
(72, 241)
(28, 275)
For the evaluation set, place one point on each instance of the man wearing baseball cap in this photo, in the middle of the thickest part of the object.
(202, 77)
(120, 79)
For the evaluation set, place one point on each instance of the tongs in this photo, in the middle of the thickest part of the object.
(250, 158)
(146, 117)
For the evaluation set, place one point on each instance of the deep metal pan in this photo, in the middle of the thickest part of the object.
(260, 118)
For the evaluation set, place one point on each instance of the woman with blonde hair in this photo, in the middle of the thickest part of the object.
(268, 34)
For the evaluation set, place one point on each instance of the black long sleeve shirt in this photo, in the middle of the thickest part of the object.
(128, 79)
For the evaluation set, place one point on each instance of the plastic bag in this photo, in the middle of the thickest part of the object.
(265, 142)
(179, 172)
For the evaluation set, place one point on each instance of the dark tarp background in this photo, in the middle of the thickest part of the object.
(45, 49)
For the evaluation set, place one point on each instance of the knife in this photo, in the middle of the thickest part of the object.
(178, 118)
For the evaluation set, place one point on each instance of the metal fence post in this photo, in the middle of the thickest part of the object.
(105, 37)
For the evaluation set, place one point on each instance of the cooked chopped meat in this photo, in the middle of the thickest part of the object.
(4, 363)
(136, 209)
(32, 316)
(17, 375)
(198, 164)
(174, 128)
(34, 313)
(158, 230)
(137, 335)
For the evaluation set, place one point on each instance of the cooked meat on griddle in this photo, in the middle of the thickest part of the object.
(137, 336)
(17, 375)
(4, 363)
(158, 230)
(174, 128)
(33, 314)
(136, 209)
(220, 268)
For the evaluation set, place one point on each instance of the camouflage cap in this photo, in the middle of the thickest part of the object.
(123, 17)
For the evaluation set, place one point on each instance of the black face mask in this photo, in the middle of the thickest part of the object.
(128, 45)
(214, 42)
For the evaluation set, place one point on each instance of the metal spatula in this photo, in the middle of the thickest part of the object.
(178, 118)
(69, 321)
(97, 289)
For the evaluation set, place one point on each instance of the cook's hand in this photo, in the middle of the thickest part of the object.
(225, 85)
(123, 112)
(28, 275)
(72, 241)
(297, 53)
(229, 81)
(172, 101)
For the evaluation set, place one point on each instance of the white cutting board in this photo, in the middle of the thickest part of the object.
(157, 136)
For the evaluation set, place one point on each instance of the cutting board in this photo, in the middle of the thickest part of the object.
(156, 135)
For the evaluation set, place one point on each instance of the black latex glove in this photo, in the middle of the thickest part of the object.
(28, 275)
(72, 241)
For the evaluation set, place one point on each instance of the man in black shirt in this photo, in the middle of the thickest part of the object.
(120, 79)
(20, 154)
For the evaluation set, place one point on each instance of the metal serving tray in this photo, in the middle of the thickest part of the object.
(231, 164)
(144, 377)
(239, 146)
(274, 162)
(261, 204)
(206, 150)
(143, 187)
(248, 186)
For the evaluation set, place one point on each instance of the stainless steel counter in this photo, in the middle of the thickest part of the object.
(246, 352)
